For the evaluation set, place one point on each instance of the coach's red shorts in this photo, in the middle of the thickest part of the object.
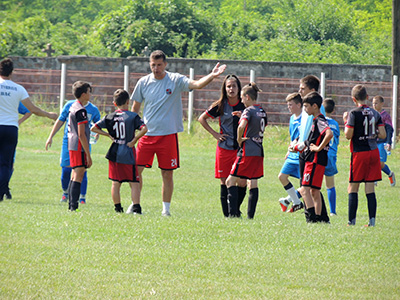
(224, 160)
(365, 166)
(165, 147)
(122, 172)
(77, 158)
(313, 175)
(248, 167)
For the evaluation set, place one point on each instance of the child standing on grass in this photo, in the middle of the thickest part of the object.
(249, 163)
(315, 153)
(363, 126)
(121, 126)
(227, 146)
(291, 164)
(331, 168)
(78, 141)
(385, 144)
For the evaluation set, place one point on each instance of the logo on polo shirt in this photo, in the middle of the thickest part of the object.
(168, 91)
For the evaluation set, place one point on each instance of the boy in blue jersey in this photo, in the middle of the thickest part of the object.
(291, 164)
(93, 114)
(331, 169)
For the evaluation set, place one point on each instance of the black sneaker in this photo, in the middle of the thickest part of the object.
(8, 195)
(296, 207)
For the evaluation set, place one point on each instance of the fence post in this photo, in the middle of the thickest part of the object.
(190, 103)
(394, 108)
(62, 88)
(126, 78)
(323, 85)
(252, 76)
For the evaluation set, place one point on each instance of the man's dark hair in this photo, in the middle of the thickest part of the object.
(158, 54)
(313, 98)
(329, 105)
(121, 97)
(311, 81)
(80, 87)
(6, 67)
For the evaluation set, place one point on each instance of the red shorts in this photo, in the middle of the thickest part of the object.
(77, 158)
(248, 167)
(122, 172)
(224, 160)
(365, 166)
(313, 175)
(165, 146)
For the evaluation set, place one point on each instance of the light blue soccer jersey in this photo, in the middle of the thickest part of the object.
(294, 131)
(162, 112)
(306, 124)
(334, 142)
(93, 114)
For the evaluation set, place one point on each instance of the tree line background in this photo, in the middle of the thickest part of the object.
(312, 31)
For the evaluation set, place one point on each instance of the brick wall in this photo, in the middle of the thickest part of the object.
(41, 77)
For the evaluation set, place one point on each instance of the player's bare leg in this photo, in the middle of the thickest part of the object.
(116, 196)
(167, 190)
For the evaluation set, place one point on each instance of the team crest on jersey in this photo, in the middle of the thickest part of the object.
(168, 91)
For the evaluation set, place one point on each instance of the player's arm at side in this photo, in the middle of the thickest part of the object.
(381, 132)
(240, 131)
(141, 133)
(24, 118)
(84, 142)
(57, 125)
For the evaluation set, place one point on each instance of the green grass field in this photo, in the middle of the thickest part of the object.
(47, 252)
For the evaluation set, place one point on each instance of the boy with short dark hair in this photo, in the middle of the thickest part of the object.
(385, 144)
(363, 126)
(315, 153)
(331, 168)
(121, 126)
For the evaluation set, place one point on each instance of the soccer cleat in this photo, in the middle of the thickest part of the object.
(134, 209)
(64, 197)
(371, 223)
(296, 207)
(8, 195)
(333, 214)
(166, 214)
(392, 179)
(82, 201)
(284, 202)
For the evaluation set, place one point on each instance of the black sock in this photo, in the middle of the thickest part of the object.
(74, 192)
(310, 215)
(253, 199)
(241, 195)
(69, 194)
(224, 200)
(371, 199)
(118, 208)
(353, 205)
(137, 208)
(233, 201)
(324, 213)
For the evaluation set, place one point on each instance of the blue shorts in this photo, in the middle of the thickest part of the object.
(331, 168)
(64, 157)
(382, 152)
(291, 168)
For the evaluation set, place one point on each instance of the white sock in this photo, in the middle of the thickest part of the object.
(82, 196)
(293, 195)
(166, 206)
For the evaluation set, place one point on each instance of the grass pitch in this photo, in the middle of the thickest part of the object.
(47, 252)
